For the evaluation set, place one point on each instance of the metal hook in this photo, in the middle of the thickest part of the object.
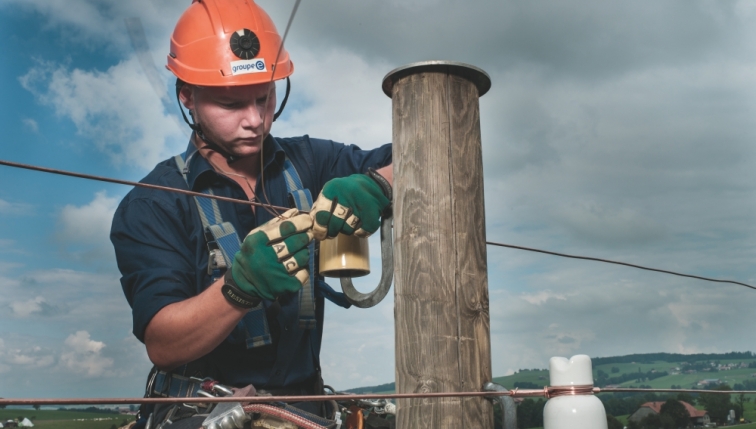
(367, 300)
(508, 407)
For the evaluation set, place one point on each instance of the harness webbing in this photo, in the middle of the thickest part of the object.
(223, 243)
(303, 201)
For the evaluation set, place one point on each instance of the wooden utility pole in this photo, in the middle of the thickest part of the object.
(441, 283)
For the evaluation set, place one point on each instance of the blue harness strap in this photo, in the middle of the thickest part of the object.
(302, 199)
(223, 243)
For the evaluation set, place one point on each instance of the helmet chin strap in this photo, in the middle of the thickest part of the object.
(286, 98)
(198, 129)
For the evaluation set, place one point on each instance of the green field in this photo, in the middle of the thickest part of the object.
(686, 381)
(54, 419)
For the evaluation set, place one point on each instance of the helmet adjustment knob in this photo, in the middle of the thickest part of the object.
(245, 44)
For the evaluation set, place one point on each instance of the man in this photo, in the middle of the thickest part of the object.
(252, 315)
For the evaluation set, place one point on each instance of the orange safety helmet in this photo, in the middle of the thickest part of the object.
(227, 43)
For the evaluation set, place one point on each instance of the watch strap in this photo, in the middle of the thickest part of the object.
(382, 182)
(235, 295)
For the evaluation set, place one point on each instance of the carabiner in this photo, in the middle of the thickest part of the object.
(367, 300)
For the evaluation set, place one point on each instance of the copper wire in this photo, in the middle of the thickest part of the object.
(137, 184)
(556, 391)
(546, 392)
(252, 399)
(608, 261)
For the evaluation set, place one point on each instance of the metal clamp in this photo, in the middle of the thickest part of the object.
(226, 415)
(367, 300)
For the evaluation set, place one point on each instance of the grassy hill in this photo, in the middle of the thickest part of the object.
(642, 369)
(656, 370)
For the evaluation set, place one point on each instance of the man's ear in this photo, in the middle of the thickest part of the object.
(186, 95)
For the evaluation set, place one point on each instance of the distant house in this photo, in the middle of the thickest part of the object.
(709, 381)
(697, 417)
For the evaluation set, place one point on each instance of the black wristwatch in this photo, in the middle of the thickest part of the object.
(236, 296)
(382, 182)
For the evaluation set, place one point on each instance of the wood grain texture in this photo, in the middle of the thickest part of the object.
(468, 209)
(441, 286)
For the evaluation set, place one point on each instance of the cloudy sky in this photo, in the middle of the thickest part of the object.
(622, 130)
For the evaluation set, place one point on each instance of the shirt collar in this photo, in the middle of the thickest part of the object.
(198, 166)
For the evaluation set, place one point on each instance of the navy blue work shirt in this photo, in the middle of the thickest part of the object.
(162, 254)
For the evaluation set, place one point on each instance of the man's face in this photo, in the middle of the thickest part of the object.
(232, 117)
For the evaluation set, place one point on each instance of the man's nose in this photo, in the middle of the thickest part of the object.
(253, 115)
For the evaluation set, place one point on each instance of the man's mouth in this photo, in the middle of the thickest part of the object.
(249, 140)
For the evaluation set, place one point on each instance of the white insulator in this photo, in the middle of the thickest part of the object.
(573, 411)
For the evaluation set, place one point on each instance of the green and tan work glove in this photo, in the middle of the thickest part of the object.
(274, 257)
(350, 205)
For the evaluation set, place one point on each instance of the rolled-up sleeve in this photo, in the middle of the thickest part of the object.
(153, 254)
(339, 160)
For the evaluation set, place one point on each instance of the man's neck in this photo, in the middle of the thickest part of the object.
(248, 166)
(244, 171)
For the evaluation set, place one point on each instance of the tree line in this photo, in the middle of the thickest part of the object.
(669, 357)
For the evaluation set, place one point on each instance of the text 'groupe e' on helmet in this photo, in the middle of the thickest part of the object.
(227, 43)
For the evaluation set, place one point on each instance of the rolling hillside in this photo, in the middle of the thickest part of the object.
(655, 370)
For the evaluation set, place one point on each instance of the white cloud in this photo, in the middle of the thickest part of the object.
(5, 266)
(84, 231)
(70, 278)
(15, 209)
(99, 23)
(116, 110)
(3, 367)
(346, 107)
(29, 357)
(27, 308)
(542, 296)
(83, 355)
(608, 224)
(31, 124)
(16, 357)
(89, 223)
(358, 344)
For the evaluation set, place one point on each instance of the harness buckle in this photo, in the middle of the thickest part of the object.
(215, 259)
(210, 387)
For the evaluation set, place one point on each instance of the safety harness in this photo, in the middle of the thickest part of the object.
(223, 242)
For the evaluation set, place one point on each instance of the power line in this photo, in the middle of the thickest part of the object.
(546, 392)
(254, 203)
(137, 184)
(640, 267)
